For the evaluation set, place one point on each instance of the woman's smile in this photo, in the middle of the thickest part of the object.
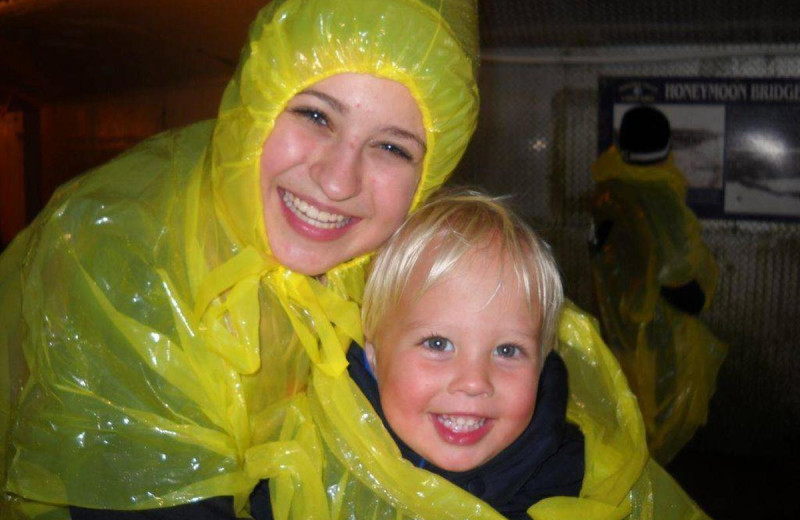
(339, 170)
(318, 219)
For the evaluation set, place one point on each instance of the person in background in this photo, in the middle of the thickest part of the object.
(653, 276)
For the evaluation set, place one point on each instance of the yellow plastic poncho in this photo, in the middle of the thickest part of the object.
(670, 357)
(154, 354)
(363, 475)
(149, 340)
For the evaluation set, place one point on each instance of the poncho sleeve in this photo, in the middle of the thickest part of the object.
(123, 395)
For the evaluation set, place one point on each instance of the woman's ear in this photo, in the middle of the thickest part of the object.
(369, 350)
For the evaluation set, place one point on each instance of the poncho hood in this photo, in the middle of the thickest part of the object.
(429, 46)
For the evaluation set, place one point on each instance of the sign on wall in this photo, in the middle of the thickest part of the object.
(736, 140)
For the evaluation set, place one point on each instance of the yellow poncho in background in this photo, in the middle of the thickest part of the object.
(670, 357)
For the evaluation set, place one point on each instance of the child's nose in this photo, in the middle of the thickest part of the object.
(473, 379)
(337, 171)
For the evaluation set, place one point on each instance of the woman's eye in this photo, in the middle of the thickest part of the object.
(508, 350)
(315, 116)
(437, 343)
(397, 150)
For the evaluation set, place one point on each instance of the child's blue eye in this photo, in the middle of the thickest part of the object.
(437, 343)
(508, 350)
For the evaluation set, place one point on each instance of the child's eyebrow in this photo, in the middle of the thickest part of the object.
(421, 323)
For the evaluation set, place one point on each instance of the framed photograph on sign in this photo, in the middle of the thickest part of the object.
(736, 140)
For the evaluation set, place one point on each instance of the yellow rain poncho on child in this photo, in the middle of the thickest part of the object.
(670, 357)
(365, 477)
(156, 354)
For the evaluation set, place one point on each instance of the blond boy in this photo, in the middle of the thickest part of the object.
(460, 316)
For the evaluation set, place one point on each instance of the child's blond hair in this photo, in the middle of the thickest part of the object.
(449, 226)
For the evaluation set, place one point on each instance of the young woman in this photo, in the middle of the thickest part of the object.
(162, 309)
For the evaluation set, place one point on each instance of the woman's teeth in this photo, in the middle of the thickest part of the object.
(461, 423)
(311, 215)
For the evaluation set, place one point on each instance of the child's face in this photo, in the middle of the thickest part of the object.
(458, 368)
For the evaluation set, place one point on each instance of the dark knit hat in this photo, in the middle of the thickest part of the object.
(644, 135)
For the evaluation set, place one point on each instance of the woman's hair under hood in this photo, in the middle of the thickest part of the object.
(429, 46)
(448, 227)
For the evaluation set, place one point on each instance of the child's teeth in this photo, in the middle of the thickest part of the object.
(461, 423)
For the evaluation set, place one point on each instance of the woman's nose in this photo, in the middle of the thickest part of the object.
(338, 171)
(472, 378)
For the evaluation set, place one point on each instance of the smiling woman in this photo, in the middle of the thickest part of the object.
(339, 170)
(162, 316)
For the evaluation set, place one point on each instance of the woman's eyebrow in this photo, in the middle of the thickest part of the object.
(341, 108)
(399, 132)
(333, 102)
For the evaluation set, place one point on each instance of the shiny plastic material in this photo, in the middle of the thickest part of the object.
(169, 355)
(150, 341)
(671, 358)
(334, 430)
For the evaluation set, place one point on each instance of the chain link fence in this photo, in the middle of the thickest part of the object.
(536, 139)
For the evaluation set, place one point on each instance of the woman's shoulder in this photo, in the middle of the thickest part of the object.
(139, 185)
(168, 156)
